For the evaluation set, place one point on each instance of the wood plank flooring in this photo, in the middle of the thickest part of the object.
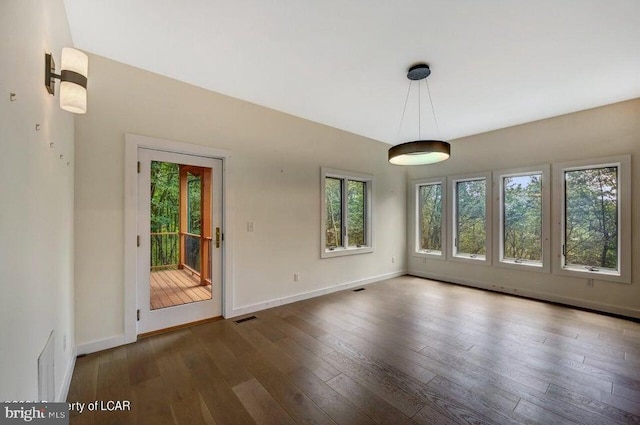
(403, 351)
(176, 287)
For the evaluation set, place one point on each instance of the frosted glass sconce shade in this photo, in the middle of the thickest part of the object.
(73, 79)
(73, 94)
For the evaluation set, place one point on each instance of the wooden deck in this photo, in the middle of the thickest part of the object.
(175, 287)
(403, 351)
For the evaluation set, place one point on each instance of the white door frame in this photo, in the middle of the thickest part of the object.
(132, 143)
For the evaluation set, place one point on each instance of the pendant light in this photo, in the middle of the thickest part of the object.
(419, 152)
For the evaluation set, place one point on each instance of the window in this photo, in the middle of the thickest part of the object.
(591, 218)
(595, 218)
(470, 225)
(523, 222)
(333, 202)
(346, 213)
(430, 199)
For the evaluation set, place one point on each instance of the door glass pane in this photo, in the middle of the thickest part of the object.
(175, 248)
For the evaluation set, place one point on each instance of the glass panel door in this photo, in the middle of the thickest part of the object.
(179, 207)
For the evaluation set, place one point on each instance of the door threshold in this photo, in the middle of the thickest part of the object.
(175, 328)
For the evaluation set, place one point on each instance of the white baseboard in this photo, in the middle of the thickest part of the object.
(101, 344)
(116, 341)
(63, 392)
(544, 296)
(252, 308)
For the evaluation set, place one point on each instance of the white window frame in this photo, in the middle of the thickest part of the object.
(623, 162)
(451, 223)
(345, 249)
(414, 218)
(498, 219)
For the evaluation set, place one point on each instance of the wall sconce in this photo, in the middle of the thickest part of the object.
(73, 79)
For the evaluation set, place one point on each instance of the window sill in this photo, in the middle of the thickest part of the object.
(472, 257)
(468, 258)
(603, 275)
(432, 255)
(530, 265)
(524, 263)
(340, 252)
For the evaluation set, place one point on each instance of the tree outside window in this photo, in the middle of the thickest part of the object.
(333, 202)
(470, 219)
(430, 217)
(522, 218)
(346, 208)
(591, 218)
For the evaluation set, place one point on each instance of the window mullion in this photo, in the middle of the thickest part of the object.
(563, 261)
(345, 214)
(367, 214)
(455, 218)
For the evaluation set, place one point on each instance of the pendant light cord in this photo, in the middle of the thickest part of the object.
(435, 120)
(404, 109)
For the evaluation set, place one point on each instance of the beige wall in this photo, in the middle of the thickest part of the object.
(606, 131)
(36, 201)
(274, 177)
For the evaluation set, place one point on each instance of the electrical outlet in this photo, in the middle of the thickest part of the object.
(296, 277)
(249, 226)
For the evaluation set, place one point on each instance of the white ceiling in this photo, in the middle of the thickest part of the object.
(495, 63)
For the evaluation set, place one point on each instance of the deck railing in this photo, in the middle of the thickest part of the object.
(165, 251)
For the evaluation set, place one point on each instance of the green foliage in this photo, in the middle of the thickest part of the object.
(356, 212)
(471, 213)
(194, 223)
(165, 190)
(194, 209)
(165, 213)
(430, 217)
(333, 201)
(591, 219)
(522, 197)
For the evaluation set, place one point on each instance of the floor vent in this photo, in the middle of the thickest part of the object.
(246, 319)
(359, 289)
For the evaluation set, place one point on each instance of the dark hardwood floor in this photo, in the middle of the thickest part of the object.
(403, 351)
